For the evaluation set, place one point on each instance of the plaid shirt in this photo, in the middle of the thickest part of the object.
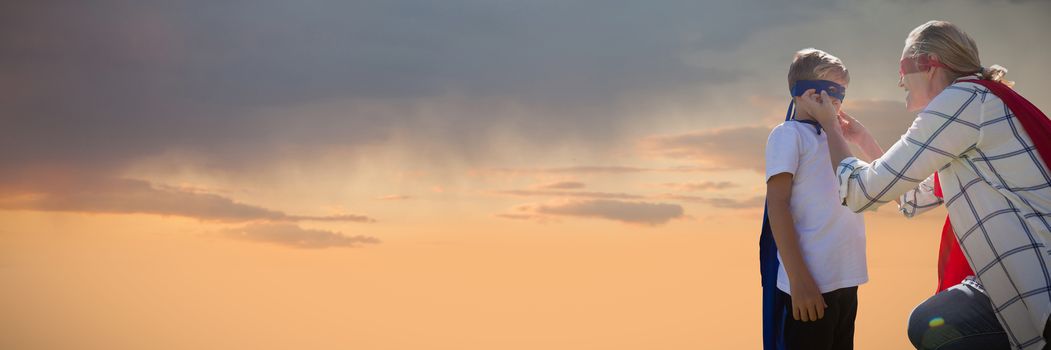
(997, 191)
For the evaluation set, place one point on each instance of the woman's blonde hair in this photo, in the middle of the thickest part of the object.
(814, 64)
(954, 49)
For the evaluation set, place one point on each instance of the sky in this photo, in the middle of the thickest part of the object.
(432, 175)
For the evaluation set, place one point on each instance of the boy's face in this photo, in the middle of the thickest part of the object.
(835, 101)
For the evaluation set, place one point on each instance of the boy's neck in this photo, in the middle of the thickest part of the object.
(800, 115)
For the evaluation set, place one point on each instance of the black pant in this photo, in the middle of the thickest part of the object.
(960, 318)
(833, 332)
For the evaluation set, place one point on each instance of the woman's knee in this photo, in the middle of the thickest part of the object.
(920, 324)
(960, 316)
(927, 324)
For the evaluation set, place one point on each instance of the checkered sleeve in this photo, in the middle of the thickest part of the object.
(945, 130)
(920, 199)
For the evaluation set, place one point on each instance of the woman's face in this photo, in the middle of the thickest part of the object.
(917, 85)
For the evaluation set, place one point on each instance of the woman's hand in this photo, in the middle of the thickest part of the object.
(857, 134)
(819, 106)
(853, 131)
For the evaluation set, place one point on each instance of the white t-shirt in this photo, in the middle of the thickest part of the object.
(831, 236)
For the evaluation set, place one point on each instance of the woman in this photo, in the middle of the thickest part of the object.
(978, 135)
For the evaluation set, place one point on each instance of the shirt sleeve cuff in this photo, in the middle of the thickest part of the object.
(844, 171)
(904, 205)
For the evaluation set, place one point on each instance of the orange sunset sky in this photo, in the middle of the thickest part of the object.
(432, 174)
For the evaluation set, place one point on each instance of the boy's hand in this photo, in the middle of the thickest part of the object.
(807, 302)
(820, 106)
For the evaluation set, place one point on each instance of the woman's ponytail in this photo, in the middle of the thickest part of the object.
(996, 73)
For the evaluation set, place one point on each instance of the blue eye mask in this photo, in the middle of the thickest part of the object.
(831, 88)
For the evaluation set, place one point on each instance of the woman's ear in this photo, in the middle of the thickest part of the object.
(934, 64)
(933, 57)
(931, 73)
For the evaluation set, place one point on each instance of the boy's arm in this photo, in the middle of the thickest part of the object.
(807, 302)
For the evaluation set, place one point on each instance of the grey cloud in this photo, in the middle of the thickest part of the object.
(516, 216)
(741, 147)
(719, 202)
(292, 235)
(643, 213)
(107, 83)
(564, 185)
(330, 218)
(733, 147)
(129, 196)
(580, 194)
(700, 186)
(394, 197)
(732, 203)
(599, 169)
(526, 216)
(237, 84)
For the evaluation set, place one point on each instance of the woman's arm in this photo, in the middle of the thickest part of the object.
(941, 133)
(838, 148)
(919, 200)
(859, 135)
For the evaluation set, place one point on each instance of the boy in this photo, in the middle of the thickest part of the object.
(820, 243)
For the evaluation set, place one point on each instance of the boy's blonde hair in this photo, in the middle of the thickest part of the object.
(814, 64)
(954, 48)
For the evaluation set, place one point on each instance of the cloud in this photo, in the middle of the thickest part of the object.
(516, 216)
(130, 196)
(539, 218)
(292, 235)
(113, 85)
(644, 213)
(563, 185)
(393, 197)
(593, 169)
(739, 147)
(580, 194)
(250, 85)
(719, 202)
(36, 190)
(330, 218)
(700, 186)
(253, 85)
